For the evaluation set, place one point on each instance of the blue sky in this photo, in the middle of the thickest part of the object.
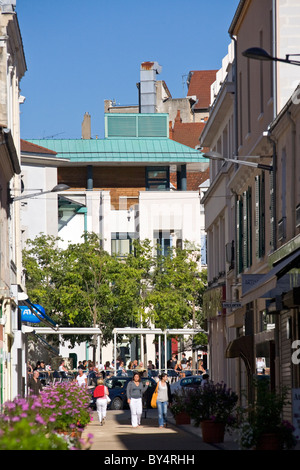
(81, 52)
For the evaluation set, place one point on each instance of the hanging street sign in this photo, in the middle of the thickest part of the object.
(231, 305)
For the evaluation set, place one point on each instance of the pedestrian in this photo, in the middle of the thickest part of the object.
(205, 380)
(135, 390)
(83, 365)
(164, 398)
(91, 376)
(200, 367)
(108, 369)
(81, 378)
(62, 369)
(34, 384)
(122, 369)
(178, 367)
(29, 369)
(43, 374)
(183, 361)
(172, 362)
(101, 393)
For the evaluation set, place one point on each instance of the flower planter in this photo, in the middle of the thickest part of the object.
(269, 441)
(212, 432)
(70, 433)
(182, 418)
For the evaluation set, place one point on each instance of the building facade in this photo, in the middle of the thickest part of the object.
(12, 68)
(256, 332)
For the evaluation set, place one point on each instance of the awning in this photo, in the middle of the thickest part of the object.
(242, 347)
(268, 282)
(235, 319)
(38, 311)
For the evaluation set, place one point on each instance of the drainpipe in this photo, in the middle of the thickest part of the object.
(274, 51)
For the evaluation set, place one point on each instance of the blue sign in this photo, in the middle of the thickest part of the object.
(28, 315)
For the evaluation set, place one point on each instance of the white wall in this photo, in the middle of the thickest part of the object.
(38, 214)
(178, 210)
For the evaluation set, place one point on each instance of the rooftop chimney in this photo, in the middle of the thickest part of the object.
(148, 73)
(86, 127)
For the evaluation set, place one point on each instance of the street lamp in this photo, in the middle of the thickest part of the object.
(218, 156)
(57, 188)
(260, 54)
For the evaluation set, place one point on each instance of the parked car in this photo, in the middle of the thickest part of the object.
(117, 386)
(190, 381)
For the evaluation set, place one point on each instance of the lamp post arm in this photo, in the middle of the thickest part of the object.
(56, 189)
(27, 196)
(253, 164)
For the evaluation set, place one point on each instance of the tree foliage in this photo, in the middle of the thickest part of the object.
(83, 286)
(175, 299)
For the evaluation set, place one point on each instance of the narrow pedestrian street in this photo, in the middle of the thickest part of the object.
(117, 434)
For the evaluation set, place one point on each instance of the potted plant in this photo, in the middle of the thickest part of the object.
(212, 407)
(179, 407)
(262, 426)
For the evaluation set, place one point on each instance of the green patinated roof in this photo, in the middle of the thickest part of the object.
(150, 150)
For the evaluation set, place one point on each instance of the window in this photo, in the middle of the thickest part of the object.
(244, 233)
(158, 178)
(267, 321)
(203, 249)
(121, 243)
(166, 240)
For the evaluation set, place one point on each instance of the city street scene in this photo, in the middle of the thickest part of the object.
(150, 228)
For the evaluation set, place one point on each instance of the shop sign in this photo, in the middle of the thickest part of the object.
(27, 314)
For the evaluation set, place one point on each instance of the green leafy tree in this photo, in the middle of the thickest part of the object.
(177, 289)
(83, 286)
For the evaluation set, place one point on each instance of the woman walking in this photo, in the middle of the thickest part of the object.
(135, 390)
(164, 397)
(100, 393)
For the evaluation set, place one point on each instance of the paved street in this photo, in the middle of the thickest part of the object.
(117, 434)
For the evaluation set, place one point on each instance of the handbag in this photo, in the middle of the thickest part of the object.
(108, 399)
(154, 398)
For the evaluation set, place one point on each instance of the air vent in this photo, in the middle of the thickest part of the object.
(136, 126)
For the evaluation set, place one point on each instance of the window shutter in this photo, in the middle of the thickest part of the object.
(257, 216)
(239, 236)
(245, 229)
(272, 206)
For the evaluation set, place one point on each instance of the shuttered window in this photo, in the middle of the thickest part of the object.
(260, 215)
(244, 231)
(247, 232)
(272, 211)
(239, 235)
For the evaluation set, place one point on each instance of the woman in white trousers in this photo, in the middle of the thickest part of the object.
(100, 393)
(134, 391)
